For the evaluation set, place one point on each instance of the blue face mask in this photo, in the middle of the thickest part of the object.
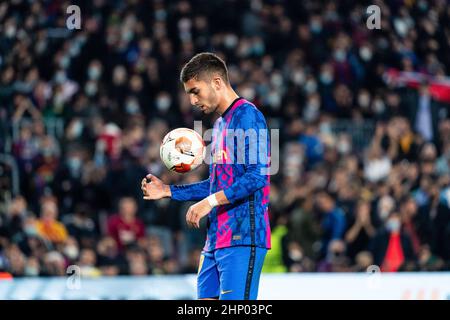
(316, 27)
(91, 89)
(74, 163)
(60, 77)
(340, 55)
(163, 104)
(310, 86)
(258, 49)
(326, 77)
(31, 271)
(132, 107)
(30, 231)
(94, 73)
(65, 62)
(160, 15)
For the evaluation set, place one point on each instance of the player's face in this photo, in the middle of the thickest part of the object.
(202, 95)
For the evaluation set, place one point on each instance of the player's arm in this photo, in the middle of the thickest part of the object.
(155, 189)
(256, 175)
(190, 192)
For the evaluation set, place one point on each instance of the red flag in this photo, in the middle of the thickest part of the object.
(439, 87)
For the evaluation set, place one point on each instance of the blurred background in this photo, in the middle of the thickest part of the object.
(363, 114)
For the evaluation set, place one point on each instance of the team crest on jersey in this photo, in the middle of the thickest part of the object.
(220, 156)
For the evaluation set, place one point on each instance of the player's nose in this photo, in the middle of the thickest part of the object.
(194, 100)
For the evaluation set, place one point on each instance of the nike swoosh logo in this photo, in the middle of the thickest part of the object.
(225, 292)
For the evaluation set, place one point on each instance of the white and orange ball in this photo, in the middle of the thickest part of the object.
(182, 150)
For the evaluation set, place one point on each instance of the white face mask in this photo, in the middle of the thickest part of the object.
(31, 271)
(248, 93)
(298, 77)
(326, 77)
(64, 62)
(316, 27)
(74, 163)
(230, 41)
(365, 53)
(276, 80)
(311, 86)
(132, 107)
(10, 32)
(344, 147)
(363, 100)
(340, 55)
(274, 100)
(378, 106)
(77, 128)
(393, 225)
(71, 252)
(311, 112)
(90, 88)
(163, 104)
(60, 77)
(94, 73)
(383, 214)
(295, 255)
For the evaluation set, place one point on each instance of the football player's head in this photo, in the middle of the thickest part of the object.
(205, 80)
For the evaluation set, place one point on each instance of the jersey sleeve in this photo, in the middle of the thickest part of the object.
(190, 192)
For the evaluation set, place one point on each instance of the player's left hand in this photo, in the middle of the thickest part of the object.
(196, 212)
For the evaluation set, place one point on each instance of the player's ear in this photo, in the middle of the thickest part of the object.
(217, 82)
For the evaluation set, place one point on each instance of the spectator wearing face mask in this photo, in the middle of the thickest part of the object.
(391, 247)
(67, 185)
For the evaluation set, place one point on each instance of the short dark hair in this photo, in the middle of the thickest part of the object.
(204, 65)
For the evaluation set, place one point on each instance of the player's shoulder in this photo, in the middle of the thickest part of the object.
(248, 110)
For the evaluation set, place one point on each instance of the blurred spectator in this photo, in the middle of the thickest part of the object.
(81, 226)
(87, 263)
(333, 220)
(109, 259)
(336, 259)
(125, 227)
(391, 247)
(363, 261)
(361, 231)
(47, 225)
(53, 264)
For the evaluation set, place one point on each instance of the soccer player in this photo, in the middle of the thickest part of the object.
(235, 197)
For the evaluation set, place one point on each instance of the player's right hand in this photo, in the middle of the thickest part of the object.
(154, 189)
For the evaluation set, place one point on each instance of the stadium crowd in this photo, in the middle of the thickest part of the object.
(114, 85)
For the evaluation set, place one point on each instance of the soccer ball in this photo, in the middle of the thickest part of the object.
(182, 150)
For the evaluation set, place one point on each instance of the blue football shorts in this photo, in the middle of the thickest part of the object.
(230, 273)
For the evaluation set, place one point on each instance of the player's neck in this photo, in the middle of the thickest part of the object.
(226, 101)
